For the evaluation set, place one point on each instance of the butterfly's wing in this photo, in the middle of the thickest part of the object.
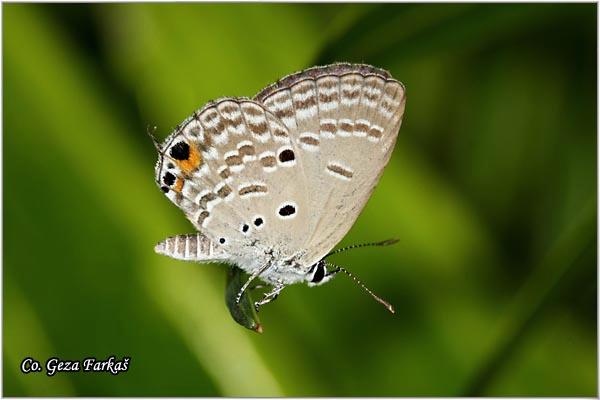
(344, 118)
(233, 169)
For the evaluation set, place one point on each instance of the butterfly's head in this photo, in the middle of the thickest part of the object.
(319, 274)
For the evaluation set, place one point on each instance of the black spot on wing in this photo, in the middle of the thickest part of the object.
(286, 156)
(180, 151)
(287, 210)
(169, 179)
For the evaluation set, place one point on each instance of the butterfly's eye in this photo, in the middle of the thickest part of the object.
(222, 240)
(319, 273)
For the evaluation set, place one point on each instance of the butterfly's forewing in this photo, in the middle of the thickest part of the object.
(344, 119)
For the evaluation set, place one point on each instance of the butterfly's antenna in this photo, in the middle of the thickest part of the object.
(356, 246)
(150, 131)
(359, 283)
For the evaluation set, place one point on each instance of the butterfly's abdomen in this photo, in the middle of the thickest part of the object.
(191, 247)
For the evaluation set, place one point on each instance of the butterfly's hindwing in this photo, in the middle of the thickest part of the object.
(246, 184)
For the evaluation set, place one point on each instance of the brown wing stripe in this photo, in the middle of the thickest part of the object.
(309, 140)
(208, 197)
(234, 160)
(250, 189)
(203, 215)
(224, 191)
(247, 150)
(268, 161)
(226, 173)
(336, 169)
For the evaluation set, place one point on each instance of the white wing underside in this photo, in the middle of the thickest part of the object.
(316, 141)
(354, 114)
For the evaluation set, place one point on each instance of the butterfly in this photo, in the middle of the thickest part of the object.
(273, 183)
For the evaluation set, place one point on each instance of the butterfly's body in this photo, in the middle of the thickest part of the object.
(273, 183)
(284, 271)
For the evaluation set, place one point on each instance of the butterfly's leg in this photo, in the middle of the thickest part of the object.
(250, 279)
(270, 296)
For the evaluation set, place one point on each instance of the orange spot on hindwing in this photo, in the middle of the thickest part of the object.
(193, 161)
(187, 157)
(178, 185)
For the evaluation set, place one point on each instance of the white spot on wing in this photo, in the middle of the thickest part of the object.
(210, 153)
(328, 106)
(221, 139)
(193, 129)
(211, 204)
(306, 113)
(202, 171)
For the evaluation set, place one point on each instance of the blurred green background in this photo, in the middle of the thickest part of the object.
(491, 190)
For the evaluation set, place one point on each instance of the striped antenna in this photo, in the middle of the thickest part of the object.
(387, 242)
(337, 269)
